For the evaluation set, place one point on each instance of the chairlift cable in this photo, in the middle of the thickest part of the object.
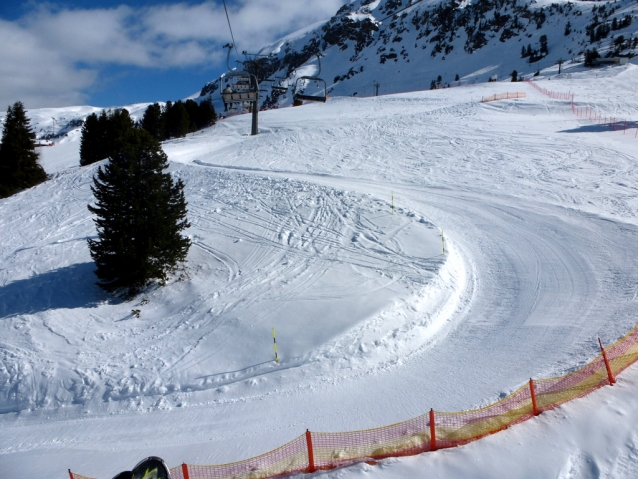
(230, 28)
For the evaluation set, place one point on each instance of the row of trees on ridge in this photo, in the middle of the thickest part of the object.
(102, 133)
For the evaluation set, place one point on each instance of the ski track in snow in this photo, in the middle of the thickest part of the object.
(293, 229)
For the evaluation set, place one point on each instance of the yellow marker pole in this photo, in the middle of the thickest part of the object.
(274, 338)
(443, 241)
(393, 202)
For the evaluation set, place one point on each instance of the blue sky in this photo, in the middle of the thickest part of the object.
(111, 53)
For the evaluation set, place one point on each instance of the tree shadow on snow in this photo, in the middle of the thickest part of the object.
(629, 126)
(64, 288)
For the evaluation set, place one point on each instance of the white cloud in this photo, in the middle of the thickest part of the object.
(254, 22)
(52, 56)
(32, 72)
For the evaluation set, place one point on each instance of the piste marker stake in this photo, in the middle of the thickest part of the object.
(274, 339)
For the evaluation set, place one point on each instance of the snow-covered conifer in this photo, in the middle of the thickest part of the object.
(19, 167)
(140, 213)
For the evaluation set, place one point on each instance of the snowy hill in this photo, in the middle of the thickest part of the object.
(405, 45)
(293, 229)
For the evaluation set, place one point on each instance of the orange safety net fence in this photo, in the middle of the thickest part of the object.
(613, 123)
(287, 459)
(436, 430)
(556, 95)
(406, 438)
(504, 96)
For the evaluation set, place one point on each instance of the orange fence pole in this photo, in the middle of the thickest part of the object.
(532, 390)
(185, 471)
(610, 374)
(432, 431)
(311, 455)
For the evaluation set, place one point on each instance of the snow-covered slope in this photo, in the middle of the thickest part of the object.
(293, 229)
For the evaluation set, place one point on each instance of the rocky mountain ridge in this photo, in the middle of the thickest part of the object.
(388, 46)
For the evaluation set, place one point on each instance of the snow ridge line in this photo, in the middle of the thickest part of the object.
(614, 124)
(435, 430)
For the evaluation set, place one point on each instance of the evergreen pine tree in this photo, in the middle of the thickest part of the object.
(590, 57)
(19, 167)
(192, 108)
(568, 28)
(102, 134)
(543, 42)
(119, 123)
(177, 120)
(152, 121)
(207, 115)
(91, 142)
(140, 213)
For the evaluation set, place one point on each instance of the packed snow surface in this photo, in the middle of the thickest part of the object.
(328, 226)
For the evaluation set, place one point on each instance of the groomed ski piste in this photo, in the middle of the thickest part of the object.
(294, 229)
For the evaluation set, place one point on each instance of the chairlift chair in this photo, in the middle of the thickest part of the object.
(299, 95)
(243, 84)
(244, 89)
(278, 85)
(300, 87)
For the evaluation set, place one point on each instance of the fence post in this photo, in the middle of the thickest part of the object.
(532, 390)
(185, 471)
(71, 474)
(432, 431)
(311, 455)
(610, 374)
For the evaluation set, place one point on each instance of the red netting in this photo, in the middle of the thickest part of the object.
(176, 473)
(402, 439)
(551, 393)
(623, 353)
(454, 429)
(289, 458)
(504, 96)
(413, 436)
(78, 476)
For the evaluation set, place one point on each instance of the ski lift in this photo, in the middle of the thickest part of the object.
(241, 86)
(301, 85)
(279, 88)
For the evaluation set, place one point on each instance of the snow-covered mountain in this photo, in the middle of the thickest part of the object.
(388, 46)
